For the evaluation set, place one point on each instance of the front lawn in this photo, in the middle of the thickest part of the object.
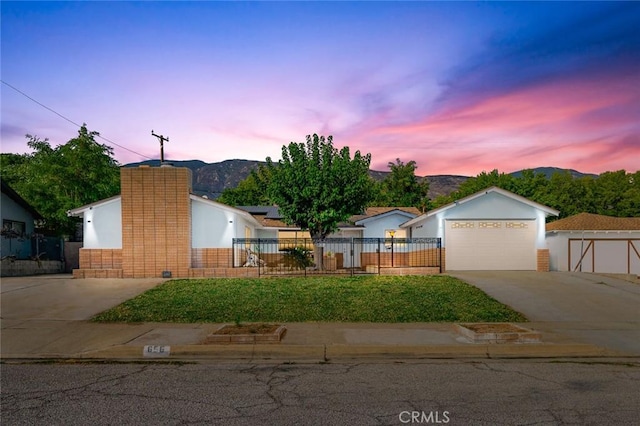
(434, 298)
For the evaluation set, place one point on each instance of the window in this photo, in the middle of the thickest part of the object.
(291, 239)
(13, 228)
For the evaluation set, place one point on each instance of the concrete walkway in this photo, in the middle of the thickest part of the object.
(47, 317)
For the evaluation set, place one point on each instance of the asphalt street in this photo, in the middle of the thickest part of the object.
(455, 392)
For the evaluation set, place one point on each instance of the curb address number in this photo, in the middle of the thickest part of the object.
(156, 350)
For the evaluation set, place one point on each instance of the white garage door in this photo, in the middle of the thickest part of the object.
(508, 245)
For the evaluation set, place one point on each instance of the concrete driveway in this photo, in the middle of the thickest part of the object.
(589, 308)
(60, 297)
(45, 314)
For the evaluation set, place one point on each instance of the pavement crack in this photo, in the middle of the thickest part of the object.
(487, 366)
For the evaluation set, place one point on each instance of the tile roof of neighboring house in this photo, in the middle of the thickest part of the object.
(595, 222)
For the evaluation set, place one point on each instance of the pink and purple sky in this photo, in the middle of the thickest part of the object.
(457, 87)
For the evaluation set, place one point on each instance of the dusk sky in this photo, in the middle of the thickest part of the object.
(456, 87)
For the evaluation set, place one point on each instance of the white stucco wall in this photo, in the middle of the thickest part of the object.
(375, 226)
(431, 227)
(492, 206)
(214, 226)
(266, 233)
(102, 226)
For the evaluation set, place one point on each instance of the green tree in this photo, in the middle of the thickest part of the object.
(617, 194)
(251, 191)
(55, 180)
(401, 187)
(10, 165)
(630, 204)
(316, 186)
(531, 185)
(567, 194)
(485, 180)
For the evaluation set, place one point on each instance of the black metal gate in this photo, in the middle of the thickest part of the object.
(305, 256)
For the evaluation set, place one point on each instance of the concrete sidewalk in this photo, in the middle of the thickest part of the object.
(310, 342)
(47, 317)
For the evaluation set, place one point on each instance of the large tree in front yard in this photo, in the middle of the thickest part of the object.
(316, 186)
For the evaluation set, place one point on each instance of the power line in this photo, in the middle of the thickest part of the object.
(69, 120)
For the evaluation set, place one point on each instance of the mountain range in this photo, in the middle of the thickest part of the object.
(211, 179)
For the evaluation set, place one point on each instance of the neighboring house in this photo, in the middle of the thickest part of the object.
(375, 222)
(18, 224)
(595, 243)
(492, 229)
(157, 227)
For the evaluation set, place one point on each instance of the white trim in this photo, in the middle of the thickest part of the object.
(79, 211)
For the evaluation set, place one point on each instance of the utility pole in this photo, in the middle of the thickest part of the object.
(162, 139)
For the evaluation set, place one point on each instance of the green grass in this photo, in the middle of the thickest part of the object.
(433, 298)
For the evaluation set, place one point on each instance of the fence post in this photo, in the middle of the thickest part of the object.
(259, 250)
(439, 254)
(379, 259)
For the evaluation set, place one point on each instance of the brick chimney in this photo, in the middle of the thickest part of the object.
(156, 221)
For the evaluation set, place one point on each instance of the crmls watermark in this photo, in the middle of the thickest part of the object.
(431, 417)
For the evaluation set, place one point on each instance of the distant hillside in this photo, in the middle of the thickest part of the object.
(548, 171)
(211, 179)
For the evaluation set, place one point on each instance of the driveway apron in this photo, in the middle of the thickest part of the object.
(589, 308)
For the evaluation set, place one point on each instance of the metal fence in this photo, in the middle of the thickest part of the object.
(46, 247)
(304, 256)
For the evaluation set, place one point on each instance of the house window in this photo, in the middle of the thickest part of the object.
(15, 228)
(291, 239)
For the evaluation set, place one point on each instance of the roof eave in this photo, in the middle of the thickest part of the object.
(235, 210)
(79, 211)
(387, 213)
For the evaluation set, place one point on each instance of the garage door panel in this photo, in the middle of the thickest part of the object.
(601, 255)
(490, 245)
(610, 256)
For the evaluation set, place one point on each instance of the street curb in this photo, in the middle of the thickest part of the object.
(328, 353)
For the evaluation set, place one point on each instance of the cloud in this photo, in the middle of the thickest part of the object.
(605, 36)
(561, 122)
